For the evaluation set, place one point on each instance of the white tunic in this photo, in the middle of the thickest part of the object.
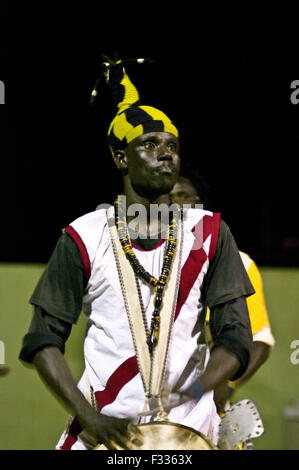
(111, 367)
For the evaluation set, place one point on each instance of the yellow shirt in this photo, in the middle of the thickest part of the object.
(258, 315)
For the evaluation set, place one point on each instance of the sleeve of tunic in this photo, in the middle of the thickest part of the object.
(225, 289)
(57, 300)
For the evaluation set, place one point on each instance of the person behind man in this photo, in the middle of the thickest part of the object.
(191, 188)
(172, 275)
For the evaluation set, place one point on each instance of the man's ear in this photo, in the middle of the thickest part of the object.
(120, 160)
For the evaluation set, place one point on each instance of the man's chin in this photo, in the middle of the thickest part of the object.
(156, 190)
(166, 184)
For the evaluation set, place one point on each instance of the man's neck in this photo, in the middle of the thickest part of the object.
(147, 215)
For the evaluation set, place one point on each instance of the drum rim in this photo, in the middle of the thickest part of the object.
(177, 425)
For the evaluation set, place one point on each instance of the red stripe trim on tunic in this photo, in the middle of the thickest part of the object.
(82, 248)
(197, 256)
(72, 436)
(212, 226)
(122, 375)
(190, 271)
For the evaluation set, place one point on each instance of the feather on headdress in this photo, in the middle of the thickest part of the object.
(132, 119)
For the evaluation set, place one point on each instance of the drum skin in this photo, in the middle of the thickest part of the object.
(164, 435)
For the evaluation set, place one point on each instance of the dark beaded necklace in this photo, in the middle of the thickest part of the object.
(158, 284)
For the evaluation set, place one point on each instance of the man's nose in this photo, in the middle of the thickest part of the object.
(165, 154)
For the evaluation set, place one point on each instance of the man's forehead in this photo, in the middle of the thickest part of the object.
(163, 136)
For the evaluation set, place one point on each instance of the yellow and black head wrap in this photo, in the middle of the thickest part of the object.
(132, 119)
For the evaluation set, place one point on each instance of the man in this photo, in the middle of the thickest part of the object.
(191, 188)
(166, 277)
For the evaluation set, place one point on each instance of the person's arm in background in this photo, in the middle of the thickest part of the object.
(259, 319)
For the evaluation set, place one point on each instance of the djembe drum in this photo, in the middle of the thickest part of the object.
(164, 435)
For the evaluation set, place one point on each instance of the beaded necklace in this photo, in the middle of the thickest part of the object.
(158, 284)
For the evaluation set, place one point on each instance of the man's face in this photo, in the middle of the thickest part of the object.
(153, 163)
(184, 192)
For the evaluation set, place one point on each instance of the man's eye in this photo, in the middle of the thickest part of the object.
(149, 145)
(172, 146)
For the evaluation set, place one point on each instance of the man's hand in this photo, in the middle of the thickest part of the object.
(221, 395)
(112, 432)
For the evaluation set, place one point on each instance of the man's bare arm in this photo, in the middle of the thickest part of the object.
(222, 365)
(55, 372)
(260, 353)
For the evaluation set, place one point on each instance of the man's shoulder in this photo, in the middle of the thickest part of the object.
(193, 216)
(90, 220)
(89, 230)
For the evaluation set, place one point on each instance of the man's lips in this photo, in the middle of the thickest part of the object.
(167, 168)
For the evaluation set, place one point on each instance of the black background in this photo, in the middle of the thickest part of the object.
(222, 75)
